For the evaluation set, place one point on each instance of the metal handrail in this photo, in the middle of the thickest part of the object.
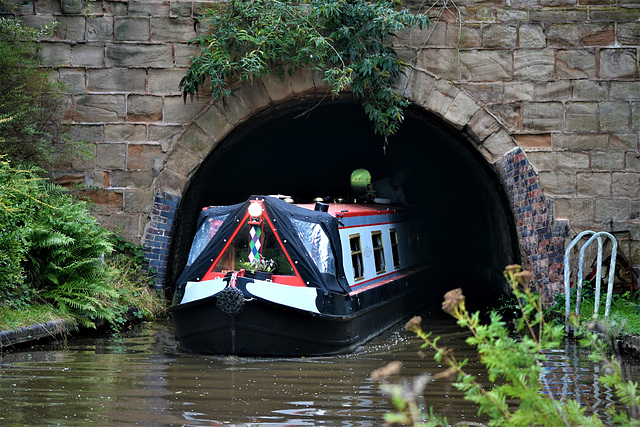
(579, 278)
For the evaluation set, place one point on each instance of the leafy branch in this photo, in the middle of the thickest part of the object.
(348, 41)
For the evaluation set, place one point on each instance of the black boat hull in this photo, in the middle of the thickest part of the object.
(264, 328)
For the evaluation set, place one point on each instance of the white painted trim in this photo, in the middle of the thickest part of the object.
(291, 296)
(198, 290)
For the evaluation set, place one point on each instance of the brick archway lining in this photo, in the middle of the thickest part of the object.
(541, 239)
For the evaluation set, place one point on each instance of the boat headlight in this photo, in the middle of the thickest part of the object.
(255, 210)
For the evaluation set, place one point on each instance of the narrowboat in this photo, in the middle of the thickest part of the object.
(271, 278)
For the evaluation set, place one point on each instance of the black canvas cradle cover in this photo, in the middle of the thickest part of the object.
(281, 213)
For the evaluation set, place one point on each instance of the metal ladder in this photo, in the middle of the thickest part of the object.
(567, 272)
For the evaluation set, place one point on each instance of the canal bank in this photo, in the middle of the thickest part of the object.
(627, 344)
(28, 335)
(55, 330)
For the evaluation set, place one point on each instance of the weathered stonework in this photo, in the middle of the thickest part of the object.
(548, 91)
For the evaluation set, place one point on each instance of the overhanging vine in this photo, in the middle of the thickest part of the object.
(348, 41)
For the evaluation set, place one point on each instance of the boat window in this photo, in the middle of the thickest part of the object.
(378, 251)
(393, 236)
(317, 244)
(236, 256)
(205, 233)
(356, 256)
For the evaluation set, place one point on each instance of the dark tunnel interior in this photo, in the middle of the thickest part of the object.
(307, 150)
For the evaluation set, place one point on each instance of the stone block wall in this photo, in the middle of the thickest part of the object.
(122, 62)
(562, 78)
(557, 79)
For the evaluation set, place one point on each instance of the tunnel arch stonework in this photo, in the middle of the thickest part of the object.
(548, 93)
(541, 239)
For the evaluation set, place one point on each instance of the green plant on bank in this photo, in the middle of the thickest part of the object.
(38, 313)
(65, 261)
(517, 394)
(135, 256)
(132, 281)
(30, 101)
(129, 250)
(624, 316)
(20, 193)
(348, 41)
(52, 250)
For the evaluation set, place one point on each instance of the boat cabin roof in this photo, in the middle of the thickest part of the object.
(282, 219)
(341, 210)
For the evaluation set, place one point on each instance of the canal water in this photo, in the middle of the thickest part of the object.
(141, 377)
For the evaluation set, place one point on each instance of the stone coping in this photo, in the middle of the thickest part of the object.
(49, 331)
(631, 345)
(29, 334)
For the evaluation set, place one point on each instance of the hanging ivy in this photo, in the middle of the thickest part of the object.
(346, 40)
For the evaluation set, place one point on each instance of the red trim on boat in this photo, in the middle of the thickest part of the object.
(209, 274)
(277, 278)
(288, 280)
(349, 210)
(275, 233)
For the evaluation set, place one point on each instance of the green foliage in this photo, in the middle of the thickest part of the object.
(516, 394)
(134, 253)
(29, 100)
(64, 263)
(627, 392)
(52, 250)
(19, 192)
(260, 264)
(12, 319)
(623, 319)
(346, 40)
(131, 279)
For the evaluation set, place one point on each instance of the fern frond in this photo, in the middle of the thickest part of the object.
(47, 238)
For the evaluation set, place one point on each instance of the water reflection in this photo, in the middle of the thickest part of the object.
(142, 377)
(569, 375)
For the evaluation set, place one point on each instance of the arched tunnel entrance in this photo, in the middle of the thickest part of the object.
(308, 150)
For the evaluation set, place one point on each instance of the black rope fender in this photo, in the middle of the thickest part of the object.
(230, 300)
